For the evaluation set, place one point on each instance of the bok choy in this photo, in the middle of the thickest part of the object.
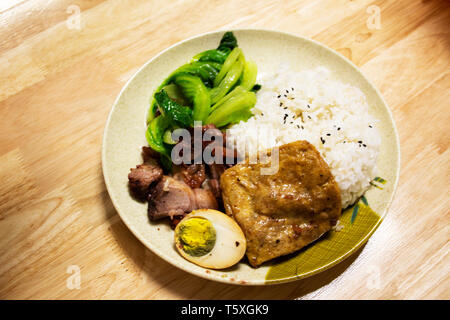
(216, 87)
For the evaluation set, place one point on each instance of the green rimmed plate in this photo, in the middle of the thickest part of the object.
(124, 136)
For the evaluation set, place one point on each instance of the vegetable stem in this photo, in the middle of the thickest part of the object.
(228, 82)
(233, 110)
(194, 90)
(229, 62)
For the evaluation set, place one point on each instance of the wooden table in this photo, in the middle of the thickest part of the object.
(62, 64)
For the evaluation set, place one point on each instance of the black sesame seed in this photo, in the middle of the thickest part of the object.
(308, 106)
(285, 108)
(292, 88)
(298, 126)
(364, 145)
(359, 141)
(291, 122)
(303, 127)
(287, 91)
(339, 128)
(309, 117)
(285, 95)
(279, 96)
(328, 134)
(370, 126)
(237, 243)
(323, 141)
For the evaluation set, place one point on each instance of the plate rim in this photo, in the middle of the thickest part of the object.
(262, 282)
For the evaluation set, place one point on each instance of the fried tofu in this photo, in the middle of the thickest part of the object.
(282, 212)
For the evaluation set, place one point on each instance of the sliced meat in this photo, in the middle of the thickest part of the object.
(174, 198)
(142, 177)
(214, 134)
(149, 154)
(207, 127)
(205, 199)
(229, 156)
(170, 197)
(191, 186)
(182, 146)
(215, 171)
(194, 175)
(214, 186)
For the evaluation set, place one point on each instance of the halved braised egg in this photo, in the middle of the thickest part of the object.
(210, 239)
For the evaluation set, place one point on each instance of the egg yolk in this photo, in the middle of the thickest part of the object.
(197, 236)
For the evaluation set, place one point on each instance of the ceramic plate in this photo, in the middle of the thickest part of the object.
(125, 135)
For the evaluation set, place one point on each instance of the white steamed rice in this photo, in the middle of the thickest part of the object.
(331, 115)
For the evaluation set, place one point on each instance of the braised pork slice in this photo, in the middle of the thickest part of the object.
(172, 197)
(282, 212)
(142, 177)
(205, 199)
(194, 175)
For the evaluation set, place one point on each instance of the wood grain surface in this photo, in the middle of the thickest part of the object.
(60, 72)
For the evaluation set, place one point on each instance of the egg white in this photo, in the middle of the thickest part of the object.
(230, 245)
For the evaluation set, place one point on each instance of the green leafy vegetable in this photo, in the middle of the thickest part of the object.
(249, 75)
(217, 86)
(212, 56)
(152, 110)
(167, 137)
(233, 110)
(155, 132)
(170, 109)
(228, 42)
(233, 93)
(228, 82)
(207, 71)
(174, 92)
(194, 90)
(229, 62)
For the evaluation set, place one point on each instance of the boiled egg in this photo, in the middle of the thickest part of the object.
(210, 239)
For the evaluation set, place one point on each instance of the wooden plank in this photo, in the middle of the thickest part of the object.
(57, 86)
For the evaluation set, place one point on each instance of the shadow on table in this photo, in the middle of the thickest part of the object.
(183, 285)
